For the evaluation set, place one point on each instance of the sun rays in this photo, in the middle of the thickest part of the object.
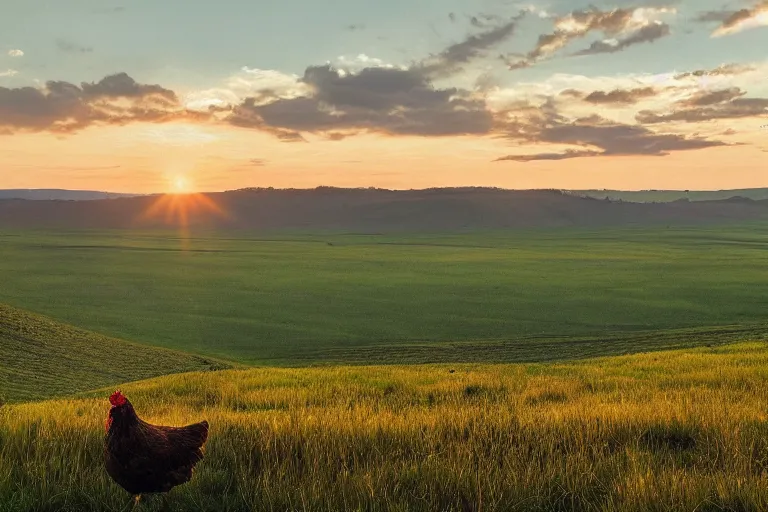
(183, 210)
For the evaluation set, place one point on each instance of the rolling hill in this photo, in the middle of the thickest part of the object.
(665, 196)
(55, 194)
(370, 210)
(41, 358)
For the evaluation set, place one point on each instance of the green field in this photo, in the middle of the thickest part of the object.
(672, 431)
(332, 298)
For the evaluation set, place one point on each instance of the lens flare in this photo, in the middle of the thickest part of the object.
(182, 211)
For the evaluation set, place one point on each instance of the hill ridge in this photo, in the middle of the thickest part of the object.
(377, 210)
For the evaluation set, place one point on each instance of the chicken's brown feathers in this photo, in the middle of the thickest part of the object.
(145, 458)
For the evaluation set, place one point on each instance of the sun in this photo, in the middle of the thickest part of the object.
(180, 185)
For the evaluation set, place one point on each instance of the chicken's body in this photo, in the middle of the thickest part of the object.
(144, 458)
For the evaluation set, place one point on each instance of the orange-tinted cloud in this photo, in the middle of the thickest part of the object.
(743, 19)
(64, 107)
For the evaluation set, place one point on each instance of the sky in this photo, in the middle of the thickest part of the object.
(190, 95)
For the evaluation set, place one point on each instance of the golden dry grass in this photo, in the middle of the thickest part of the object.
(676, 431)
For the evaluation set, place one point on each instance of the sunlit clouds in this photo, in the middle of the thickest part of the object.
(744, 19)
(528, 94)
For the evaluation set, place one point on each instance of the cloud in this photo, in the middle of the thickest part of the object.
(723, 70)
(739, 107)
(15, 53)
(8, 72)
(637, 25)
(714, 16)
(703, 98)
(646, 34)
(360, 61)
(383, 100)
(744, 19)
(109, 10)
(598, 136)
(451, 60)
(257, 162)
(617, 96)
(68, 46)
(483, 20)
(121, 85)
(379, 97)
(570, 153)
(64, 107)
(261, 84)
(621, 139)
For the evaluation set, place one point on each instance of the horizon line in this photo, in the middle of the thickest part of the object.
(467, 187)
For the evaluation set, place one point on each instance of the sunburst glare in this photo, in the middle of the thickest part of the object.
(181, 209)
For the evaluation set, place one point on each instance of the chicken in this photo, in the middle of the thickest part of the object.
(144, 458)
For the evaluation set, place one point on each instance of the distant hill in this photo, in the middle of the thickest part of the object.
(370, 210)
(666, 196)
(59, 195)
(41, 358)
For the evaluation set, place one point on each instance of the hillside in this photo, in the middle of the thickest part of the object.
(665, 196)
(40, 358)
(628, 434)
(370, 210)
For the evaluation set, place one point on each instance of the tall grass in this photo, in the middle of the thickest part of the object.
(673, 431)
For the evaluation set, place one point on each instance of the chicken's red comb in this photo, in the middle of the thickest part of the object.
(117, 398)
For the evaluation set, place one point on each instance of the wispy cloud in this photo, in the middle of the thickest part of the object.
(67, 46)
(712, 109)
(598, 136)
(743, 19)
(8, 72)
(452, 58)
(15, 53)
(567, 154)
(620, 96)
(723, 70)
(634, 25)
(645, 34)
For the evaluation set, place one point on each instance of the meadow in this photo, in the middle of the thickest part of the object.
(298, 299)
(670, 431)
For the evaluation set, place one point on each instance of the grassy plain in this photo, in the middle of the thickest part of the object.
(303, 298)
(41, 358)
(672, 431)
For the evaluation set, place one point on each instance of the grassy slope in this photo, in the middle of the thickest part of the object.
(298, 299)
(40, 357)
(632, 433)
